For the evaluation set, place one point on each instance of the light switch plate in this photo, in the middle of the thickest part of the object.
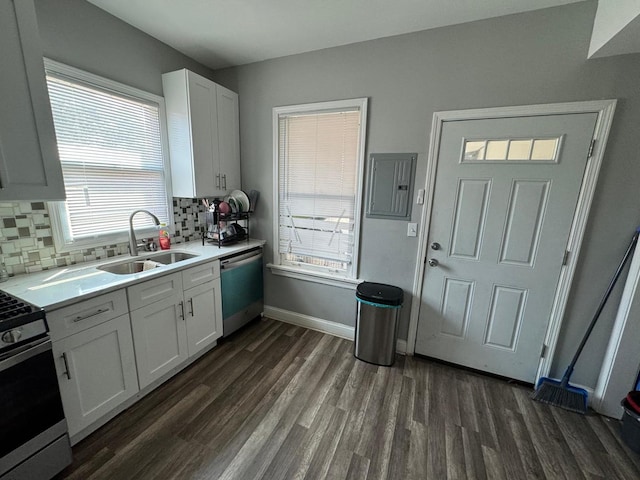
(412, 229)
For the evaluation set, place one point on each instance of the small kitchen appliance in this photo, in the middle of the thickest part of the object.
(34, 442)
(242, 289)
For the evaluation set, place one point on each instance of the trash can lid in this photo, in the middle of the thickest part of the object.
(379, 293)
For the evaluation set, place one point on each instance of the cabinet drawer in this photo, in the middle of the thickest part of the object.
(201, 274)
(85, 314)
(149, 292)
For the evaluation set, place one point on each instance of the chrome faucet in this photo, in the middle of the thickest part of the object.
(133, 243)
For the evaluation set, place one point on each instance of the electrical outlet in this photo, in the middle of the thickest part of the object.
(412, 229)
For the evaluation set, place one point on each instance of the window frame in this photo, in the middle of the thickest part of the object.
(57, 211)
(304, 272)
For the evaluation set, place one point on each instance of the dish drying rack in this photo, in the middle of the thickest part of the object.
(218, 231)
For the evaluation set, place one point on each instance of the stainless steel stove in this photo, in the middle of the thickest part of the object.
(34, 443)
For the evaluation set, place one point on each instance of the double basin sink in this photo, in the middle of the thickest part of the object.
(146, 263)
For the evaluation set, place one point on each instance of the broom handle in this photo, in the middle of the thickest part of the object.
(569, 371)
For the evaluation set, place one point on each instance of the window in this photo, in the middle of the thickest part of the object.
(526, 149)
(112, 150)
(318, 164)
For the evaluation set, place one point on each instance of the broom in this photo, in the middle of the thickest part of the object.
(560, 393)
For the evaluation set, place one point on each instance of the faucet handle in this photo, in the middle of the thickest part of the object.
(148, 245)
(152, 246)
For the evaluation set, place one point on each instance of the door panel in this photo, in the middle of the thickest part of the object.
(505, 317)
(505, 195)
(469, 218)
(456, 303)
(527, 204)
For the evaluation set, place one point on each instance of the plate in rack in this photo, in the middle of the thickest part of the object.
(241, 200)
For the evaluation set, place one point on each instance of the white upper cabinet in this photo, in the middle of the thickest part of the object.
(204, 139)
(228, 137)
(29, 162)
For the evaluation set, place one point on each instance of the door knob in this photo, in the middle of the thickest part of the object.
(435, 246)
(433, 262)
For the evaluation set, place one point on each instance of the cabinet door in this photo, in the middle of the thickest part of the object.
(228, 138)
(160, 338)
(29, 163)
(204, 134)
(203, 316)
(96, 371)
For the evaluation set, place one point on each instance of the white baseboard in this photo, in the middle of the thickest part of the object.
(320, 325)
(313, 323)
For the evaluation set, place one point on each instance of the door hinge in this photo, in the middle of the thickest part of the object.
(565, 258)
(593, 144)
(543, 352)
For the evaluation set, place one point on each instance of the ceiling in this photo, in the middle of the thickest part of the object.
(223, 33)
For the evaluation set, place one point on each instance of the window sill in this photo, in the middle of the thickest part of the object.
(316, 277)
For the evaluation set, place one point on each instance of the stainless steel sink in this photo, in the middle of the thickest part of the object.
(152, 261)
(171, 257)
(124, 268)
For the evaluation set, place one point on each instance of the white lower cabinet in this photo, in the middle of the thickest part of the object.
(160, 337)
(96, 371)
(106, 352)
(171, 323)
(203, 316)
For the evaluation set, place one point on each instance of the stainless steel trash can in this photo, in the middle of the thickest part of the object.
(377, 322)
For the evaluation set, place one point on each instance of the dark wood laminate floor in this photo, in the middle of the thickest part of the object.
(279, 401)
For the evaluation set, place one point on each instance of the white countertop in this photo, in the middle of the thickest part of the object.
(63, 286)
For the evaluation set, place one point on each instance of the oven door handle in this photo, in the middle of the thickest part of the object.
(24, 353)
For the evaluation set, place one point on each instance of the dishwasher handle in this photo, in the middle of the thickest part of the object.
(239, 261)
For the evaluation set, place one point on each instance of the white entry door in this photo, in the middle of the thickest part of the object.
(505, 195)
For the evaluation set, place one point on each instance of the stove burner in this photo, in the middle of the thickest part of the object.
(11, 307)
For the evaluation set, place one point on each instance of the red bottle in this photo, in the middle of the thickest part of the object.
(163, 237)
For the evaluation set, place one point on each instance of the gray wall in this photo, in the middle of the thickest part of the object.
(537, 57)
(80, 34)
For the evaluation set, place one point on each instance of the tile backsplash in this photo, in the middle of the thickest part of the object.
(26, 240)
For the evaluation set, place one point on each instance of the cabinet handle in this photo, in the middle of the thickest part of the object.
(224, 178)
(79, 318)
(218, 181)
(191, 303)
(66, 372)
(181, 310)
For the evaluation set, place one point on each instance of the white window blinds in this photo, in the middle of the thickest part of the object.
(111, 153)
(318, 169)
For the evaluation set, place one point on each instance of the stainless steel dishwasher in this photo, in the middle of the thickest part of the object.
(242, 289)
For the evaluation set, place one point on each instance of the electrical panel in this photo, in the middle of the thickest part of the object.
(391, 179)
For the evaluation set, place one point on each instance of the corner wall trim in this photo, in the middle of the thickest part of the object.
(320, 325)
